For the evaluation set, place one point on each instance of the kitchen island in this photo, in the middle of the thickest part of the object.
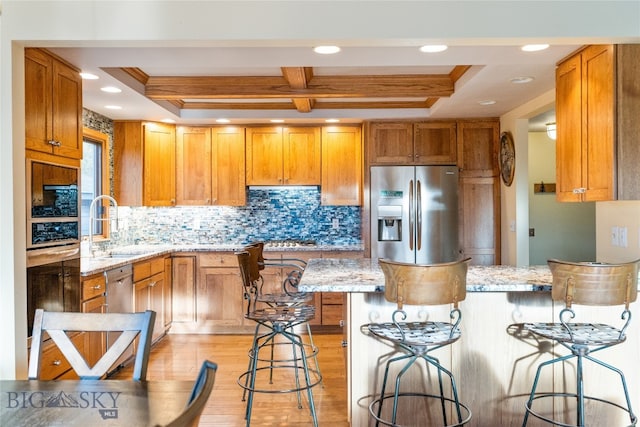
(494, 362)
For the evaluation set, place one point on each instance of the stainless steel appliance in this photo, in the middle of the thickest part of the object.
(53, 204)
(119, 300)
(414, 213)
(53, 280)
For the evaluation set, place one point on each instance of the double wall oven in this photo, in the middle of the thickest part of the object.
(53, 237)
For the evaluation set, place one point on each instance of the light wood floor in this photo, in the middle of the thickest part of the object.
(180, 356)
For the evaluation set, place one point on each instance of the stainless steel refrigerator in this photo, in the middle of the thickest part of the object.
(414, 213)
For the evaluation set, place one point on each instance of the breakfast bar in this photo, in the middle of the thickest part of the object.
(495, 360)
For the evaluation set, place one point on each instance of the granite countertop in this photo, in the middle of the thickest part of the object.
(123, 255)
(364, 275)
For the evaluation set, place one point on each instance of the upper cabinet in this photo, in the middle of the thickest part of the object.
(53, 105)
(283, 156)
(210, 167)
(341, 165)
(144, 157)
(585, 123)
(406, 143)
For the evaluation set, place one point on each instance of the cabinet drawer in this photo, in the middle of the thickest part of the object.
(332, 298)
(331, 314)
(144, 269)
(214, 259)
(93, 286)
(149, 281)
(53, 363)
(95, 305)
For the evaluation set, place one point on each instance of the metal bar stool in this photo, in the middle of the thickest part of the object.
(589, 284)
(412, 284)
(279, 322)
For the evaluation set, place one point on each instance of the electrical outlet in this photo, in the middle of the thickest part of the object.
(622, 235)
(335, 223)
(615, 236)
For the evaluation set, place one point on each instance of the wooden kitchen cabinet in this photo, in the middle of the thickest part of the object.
(144, 163)
(210, 166)
(94, 301)
(283, 155)
(408, 143)
(585, 125)
(183, 278)
(148, 284)
(53, 105)
(479, 190)
(341, 166)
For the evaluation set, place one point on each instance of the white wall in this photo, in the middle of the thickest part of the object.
(259, 23)
(625, 214)
(562, 230)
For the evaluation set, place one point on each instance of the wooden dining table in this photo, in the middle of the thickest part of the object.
(92, 402)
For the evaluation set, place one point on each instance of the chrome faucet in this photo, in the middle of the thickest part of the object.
(93, 218)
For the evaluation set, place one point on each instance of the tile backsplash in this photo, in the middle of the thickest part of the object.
(271, 213)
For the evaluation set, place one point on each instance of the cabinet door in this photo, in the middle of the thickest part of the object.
(301, 156)
(390, 143)
(229, 170)
(341, 165)
(220, 302)
(598, 91)
(156, 303)
(478, 145)
(67, 111)
(95, 343)
(38, 69)
(193, 166)
(569, 129)
(183, 272)
(168, 293)
(264, 156)
(480, 218)
(159, 183)
(434, 143)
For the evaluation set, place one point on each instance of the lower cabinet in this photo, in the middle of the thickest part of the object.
(149, 285)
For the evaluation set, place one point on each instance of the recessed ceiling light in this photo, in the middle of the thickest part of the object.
(521, 79)
(487, 102)
(534, 47)
(113, 107)
(111, 89)
(433, 48)
(277, 120)
(168, 121)
(326, 50)
(222, 120)
(89, 76)
(332, 120)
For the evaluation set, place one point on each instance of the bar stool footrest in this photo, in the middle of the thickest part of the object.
(373, 407)
(314, 376)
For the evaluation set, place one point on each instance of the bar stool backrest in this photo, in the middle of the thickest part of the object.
(593, 283)
(247, 273)
(433, 284)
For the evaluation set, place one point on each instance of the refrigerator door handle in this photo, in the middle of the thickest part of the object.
(411, 215)
(419, 213)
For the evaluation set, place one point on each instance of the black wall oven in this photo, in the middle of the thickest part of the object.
(53, 204)
(53, 280)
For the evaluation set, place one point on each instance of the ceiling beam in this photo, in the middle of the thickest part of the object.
(319, 105)
(364, 86)
(298, 77)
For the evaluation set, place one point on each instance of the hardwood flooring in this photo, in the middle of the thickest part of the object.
(180, 357)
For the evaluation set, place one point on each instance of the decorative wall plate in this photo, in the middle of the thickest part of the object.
(507, 158)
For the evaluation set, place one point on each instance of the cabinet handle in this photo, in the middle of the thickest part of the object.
(173, 201)
(344, 343)
(56, 362)
(581, 190)
(341, 323)
(152, 284)
(55, 143)
(96, 287)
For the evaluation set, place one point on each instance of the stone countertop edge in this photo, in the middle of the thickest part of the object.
(95, 265)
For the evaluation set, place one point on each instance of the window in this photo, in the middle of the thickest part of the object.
(95, 178)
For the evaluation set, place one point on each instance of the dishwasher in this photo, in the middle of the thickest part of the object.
(119, 298)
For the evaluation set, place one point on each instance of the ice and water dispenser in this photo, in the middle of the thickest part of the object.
(390, 217)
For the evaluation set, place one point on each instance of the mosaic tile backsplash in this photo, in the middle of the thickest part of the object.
(272, 213)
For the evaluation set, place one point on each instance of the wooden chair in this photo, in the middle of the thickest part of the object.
(57, 324)
(585, 284)
(421, 285)
(199, 397)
